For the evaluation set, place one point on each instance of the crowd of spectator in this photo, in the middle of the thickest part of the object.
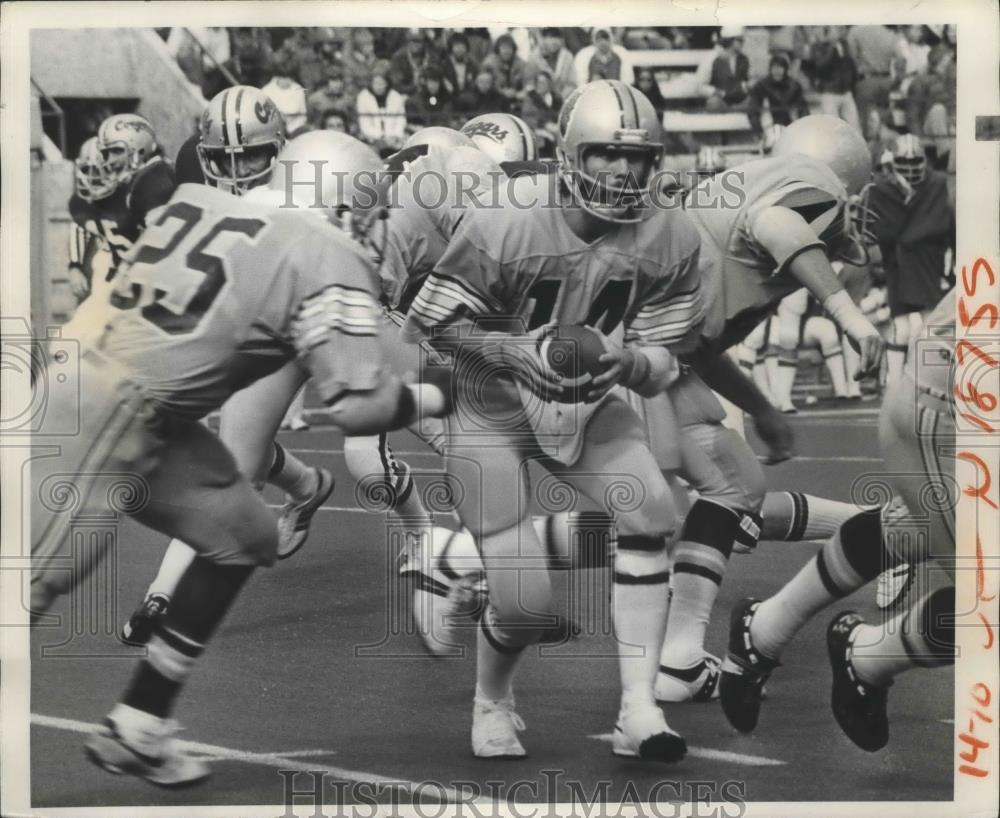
(382, 84)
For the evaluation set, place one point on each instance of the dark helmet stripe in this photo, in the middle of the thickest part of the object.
(524, 138)
(621, 102)
(225, 124)
(239, 124)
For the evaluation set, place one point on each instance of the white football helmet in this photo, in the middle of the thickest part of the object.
(332, 174)
(438, 135)
(240, 134)
(503, 137)
(833, 142)
(91, 181)
(609, 116)
(126, 143)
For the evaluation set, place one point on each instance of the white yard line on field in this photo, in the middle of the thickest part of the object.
(286, 761)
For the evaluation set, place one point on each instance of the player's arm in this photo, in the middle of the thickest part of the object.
(795, 247)
(335, 332)
(82, 246)
(666, 322)
(459, 311)
(723, 375)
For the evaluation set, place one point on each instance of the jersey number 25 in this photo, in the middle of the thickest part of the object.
(174, 292)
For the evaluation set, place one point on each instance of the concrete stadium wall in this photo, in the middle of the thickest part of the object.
(117, 63)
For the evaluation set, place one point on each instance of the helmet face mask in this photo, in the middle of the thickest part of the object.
(91, 182)
(857, 234)
(612, 121)
(909, 161)
(237, 170)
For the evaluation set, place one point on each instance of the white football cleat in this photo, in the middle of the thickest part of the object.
(140, 744)
(892, 585)
(642, 732)
(295, 517)
(495, 726)
(698, 683)
(440, 600)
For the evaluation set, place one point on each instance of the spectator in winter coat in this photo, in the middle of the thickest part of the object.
(784, 96)
(459, 68)
(381, 112)
(359, 60)
(408, 65)
(430, 105)
(552, 55)
(483, 97)
(602, 60)
(730, 76)
(508, 69)
(541, 111)
(333, 94)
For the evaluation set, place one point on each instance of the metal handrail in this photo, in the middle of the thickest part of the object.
(230, 78)
(56, 111)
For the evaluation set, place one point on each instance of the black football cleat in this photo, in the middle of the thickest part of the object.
(858, 707)
(744, 671)
(139, 628)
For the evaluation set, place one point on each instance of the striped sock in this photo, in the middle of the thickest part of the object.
(700, 560)
(291, 475)
(848, 560)
(923, 636)
(200, 602)
(791, 516)
(639, 604)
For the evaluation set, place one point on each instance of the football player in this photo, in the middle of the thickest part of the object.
(241, 133)
(90, 184)
(581, 247)
(917, 438)
(915, 228)
(216, 294)
(119, 178)
(753, 255)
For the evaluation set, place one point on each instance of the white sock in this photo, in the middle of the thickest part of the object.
(291, 475)
(640, 601)
(175, 562)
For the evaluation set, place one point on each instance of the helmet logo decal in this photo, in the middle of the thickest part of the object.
(488, 129)
(264, 110)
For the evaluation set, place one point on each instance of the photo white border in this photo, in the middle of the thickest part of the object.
(978, 217)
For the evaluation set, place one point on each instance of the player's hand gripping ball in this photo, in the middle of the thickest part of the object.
(574, 353)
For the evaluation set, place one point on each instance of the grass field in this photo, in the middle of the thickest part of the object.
(287, 685)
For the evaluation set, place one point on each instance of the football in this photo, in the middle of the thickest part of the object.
(573, 352)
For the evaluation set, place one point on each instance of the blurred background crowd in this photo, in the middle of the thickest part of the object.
(381, 84)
